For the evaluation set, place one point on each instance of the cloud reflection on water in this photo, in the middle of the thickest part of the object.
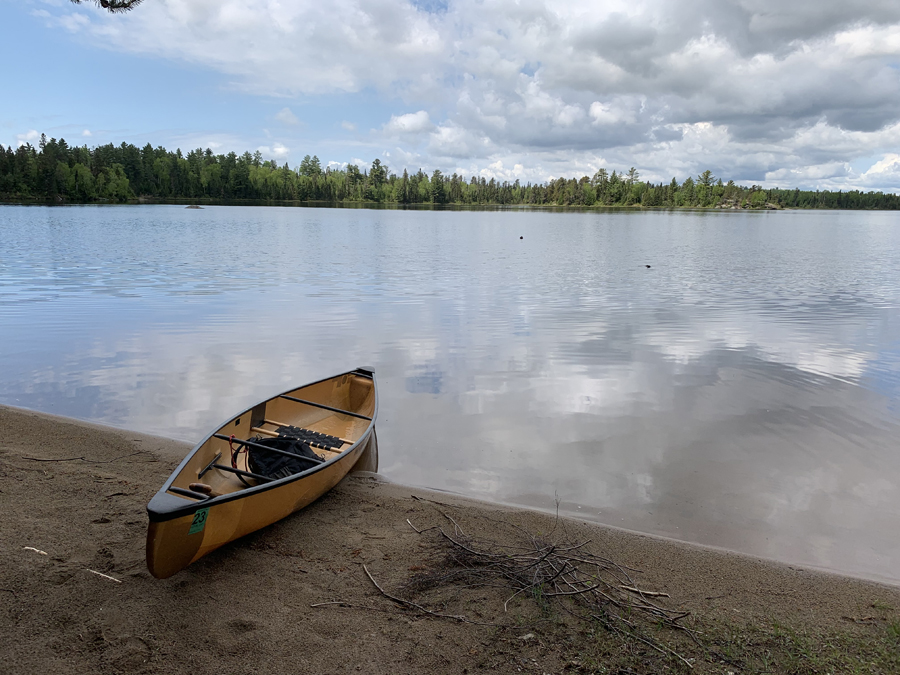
(738, 394)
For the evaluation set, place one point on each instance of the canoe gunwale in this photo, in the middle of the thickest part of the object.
(164, 512)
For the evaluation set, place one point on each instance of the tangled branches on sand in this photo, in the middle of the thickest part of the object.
(565, 576)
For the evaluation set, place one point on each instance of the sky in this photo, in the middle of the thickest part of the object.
(783, 94)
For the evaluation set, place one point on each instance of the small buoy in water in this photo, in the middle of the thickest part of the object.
(521, 237)
(647, 266)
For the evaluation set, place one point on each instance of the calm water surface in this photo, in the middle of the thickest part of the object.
(742, 392)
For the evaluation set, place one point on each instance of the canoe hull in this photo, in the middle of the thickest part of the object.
(174, 544)
(213, 497)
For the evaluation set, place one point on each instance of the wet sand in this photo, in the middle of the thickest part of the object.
(83, 601)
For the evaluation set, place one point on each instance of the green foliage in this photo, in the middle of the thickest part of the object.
(309, 167)
(58, 173)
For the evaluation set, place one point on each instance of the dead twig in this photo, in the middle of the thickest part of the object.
(407, 603)
(105, 576)
(85, 459)
(653, 644)
(447, 516)
(41, 459)
(564, 574)
(649, 594)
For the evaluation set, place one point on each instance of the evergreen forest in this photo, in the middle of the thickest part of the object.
(55, 172)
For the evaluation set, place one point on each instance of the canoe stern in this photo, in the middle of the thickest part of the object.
(175, 543)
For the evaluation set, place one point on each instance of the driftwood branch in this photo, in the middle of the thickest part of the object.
(565, 574)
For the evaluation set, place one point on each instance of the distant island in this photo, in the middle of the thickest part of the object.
(56, 173)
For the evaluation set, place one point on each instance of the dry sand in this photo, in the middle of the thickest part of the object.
(246, 608)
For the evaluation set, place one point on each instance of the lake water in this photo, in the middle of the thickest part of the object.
(741, 392)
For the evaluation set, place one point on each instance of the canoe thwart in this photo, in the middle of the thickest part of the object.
(239, 472)
(325, 407)
(210, 465)
(266, 448)
(189, 493)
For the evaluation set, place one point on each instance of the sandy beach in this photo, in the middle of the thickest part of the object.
(75, 595)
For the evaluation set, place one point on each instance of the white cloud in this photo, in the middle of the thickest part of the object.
(213, 141)
(807, 174)
(755, 88)
(87, 133)
(889, 164)
(30, 136)
(455, 141)
(73, 22)
(286, 47)
(498, 171)
(613, 112)
(286, 116)
(276, 151)
(408, 124)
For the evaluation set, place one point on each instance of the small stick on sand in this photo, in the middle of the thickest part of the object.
(459, 530)
(105, 576)
(652, 594)
(407, 603)
(36, 550)
(42, 459)
(85, 459)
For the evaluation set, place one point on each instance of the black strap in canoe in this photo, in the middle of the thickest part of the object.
(315, 438)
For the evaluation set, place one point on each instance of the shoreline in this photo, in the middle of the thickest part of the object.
(176, 450)
(414, 206)
(76, 596)
(721, 550)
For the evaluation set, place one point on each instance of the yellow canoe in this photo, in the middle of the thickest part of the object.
(215, 496)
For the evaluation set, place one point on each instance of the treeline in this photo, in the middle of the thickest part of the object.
(57, 173)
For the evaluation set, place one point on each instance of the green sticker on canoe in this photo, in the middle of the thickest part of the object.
(199, 521)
